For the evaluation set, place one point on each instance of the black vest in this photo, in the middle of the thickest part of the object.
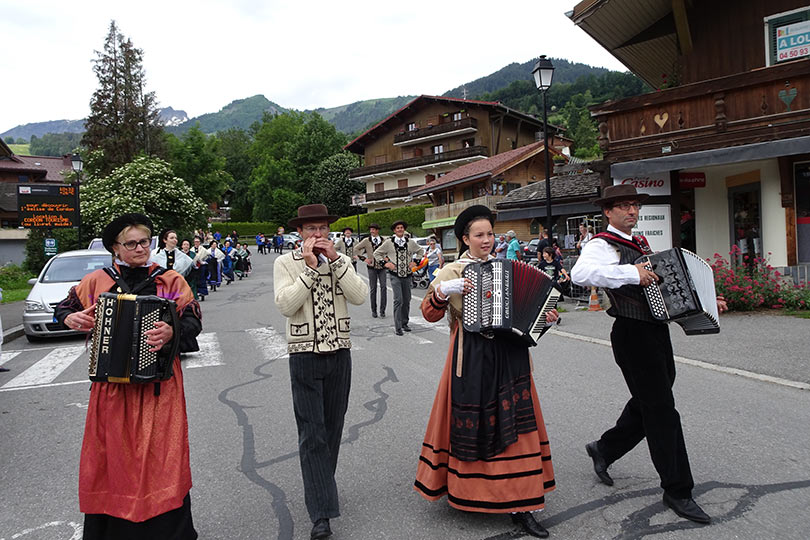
(628, 300)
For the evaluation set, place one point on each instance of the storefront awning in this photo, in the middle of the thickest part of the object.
(708, 158)
(540, 211)
(439, 223)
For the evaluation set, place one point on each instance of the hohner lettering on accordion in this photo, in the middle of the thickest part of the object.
(119, 352)
(508, 297)
(685, 293)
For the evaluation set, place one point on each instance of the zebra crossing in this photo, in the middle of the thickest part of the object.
(44, 367)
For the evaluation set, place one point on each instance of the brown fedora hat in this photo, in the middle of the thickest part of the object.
(620, 192)
(312, 212)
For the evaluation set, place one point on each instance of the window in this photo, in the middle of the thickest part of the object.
(456, 116)
(451, 197)
(379, 186)
(412, 126)
(440, 174)
(402, 183)
(23, 178)
(469, 193)
(379, 160)
(781, 48)
(438, 148)
(467, 143)
(441, 198)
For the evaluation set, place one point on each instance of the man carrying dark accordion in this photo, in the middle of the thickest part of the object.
(642, 349)
(486, 445)
(134, 473)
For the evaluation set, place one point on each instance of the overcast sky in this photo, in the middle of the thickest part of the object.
(201, 55)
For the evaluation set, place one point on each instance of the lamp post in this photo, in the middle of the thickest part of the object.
(77, 164)
(543, 72)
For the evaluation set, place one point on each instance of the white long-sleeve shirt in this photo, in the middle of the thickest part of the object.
(598, 265)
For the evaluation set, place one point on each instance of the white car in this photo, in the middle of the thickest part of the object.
(60, 273)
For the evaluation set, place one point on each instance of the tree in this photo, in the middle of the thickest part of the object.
(123, 120)
(55, 144)
(196, 160)
(280, 206)
(9, 140)
(148, 186)
(234, 146)
(333, 187)
(315, 141)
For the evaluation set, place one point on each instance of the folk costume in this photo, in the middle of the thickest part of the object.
(173, 259)
(486, 445)
(376, 272)
(199, 257)
(348, 246)
(134, 473)
(314, 300)
(400, 251)
(643, 351)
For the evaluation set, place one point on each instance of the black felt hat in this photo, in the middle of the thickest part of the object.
(617, 193)
(471, 213)
(120, 223)
(374, 226)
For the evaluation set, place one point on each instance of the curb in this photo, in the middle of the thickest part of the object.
(13, 333)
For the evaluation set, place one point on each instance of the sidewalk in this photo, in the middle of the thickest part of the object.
(767, 343)
(12, 314)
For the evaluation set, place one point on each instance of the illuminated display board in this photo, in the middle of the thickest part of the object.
(46, 206)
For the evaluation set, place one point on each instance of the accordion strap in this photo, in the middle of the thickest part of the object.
(113, 273)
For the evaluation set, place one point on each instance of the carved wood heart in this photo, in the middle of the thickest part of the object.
(661, 119)
(788, 96)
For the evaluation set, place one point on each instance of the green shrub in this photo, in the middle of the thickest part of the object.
(414, 216)
(14, 277)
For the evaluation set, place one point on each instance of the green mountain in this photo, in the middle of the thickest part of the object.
(361, 115)
(240, 113)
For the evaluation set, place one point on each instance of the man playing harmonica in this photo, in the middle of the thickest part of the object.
(643, 351)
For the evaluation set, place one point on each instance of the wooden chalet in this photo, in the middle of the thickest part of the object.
(430, 137)
(723, 143)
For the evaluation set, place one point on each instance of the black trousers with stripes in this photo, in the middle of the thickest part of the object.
(320, 392)
(643, 351)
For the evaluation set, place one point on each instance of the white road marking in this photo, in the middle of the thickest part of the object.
(700, 364)
(418, 339)
(8, 355)
(48, 369)
(271, 343)
(208, 355)
(77, 529)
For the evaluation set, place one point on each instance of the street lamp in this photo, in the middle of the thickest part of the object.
(543, 73)
(77, 164)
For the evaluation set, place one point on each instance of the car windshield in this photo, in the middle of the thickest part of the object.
(67, 269)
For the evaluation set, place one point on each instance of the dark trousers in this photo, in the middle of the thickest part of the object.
(320, 392)
(402, 300)
(643, 351)
(375, 276)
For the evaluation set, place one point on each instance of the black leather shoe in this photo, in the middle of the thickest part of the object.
(600, 466)
(382, 314)
(373, 314)
(687, 508)
(399, 332)
(406, 328)
(529, 524)
(321, 529)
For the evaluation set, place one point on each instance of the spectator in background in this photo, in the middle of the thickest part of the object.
(217, 236)
(542, 244)
(553, 268)
(260, 243)
(513, 249)
(500, 249)
(585, 235)
(434, 255)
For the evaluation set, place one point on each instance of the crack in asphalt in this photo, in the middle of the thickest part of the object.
(250, 467)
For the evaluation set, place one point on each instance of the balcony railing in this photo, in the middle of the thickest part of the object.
(765, 104)
(454, 209)
(420, 161)
(389, 194)
(465, 125)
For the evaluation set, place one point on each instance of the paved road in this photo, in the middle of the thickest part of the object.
(748, 438)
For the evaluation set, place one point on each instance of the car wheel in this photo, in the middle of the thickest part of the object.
(33, 339)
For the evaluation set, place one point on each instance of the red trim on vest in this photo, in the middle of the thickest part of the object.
(613, 237)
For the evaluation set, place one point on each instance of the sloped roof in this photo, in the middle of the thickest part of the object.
(564, 186)
(358, 145)
(484, 168)
(37, 165)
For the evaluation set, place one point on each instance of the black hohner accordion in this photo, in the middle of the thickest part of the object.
(119, 353)
(685, 294)
(509, 297)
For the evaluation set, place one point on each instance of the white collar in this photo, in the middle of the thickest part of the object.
(613, 229)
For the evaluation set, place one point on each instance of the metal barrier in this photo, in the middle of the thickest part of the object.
(578, 293)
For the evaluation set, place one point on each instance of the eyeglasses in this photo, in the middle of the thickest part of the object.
(312, 229)
(132, 244)
(625, 206)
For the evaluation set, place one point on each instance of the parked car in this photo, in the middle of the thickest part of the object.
(98, 244)
(291, 240)
(334, 236)
(51, 287)
(530, 249)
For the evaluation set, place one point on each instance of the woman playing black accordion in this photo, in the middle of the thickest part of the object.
(134, 474)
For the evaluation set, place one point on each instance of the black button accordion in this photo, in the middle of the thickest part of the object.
(685, 294)
(119, 353)
(509, 297)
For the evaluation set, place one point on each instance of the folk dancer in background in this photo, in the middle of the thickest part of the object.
(168, 256)
(348, 245)
(396, 254)
(376, 271)
(199, 255)
(312, 285)
(643, 351)
(486, 445)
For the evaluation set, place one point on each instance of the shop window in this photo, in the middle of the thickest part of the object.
(746, 225)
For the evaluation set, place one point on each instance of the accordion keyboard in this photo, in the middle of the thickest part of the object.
(539, 327)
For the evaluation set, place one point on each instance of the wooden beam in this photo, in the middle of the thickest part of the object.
(682, 26)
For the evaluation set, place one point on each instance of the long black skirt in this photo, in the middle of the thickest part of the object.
(173, 525)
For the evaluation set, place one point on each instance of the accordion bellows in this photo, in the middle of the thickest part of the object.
(686, 292)
(119, 353)
(509, 297)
